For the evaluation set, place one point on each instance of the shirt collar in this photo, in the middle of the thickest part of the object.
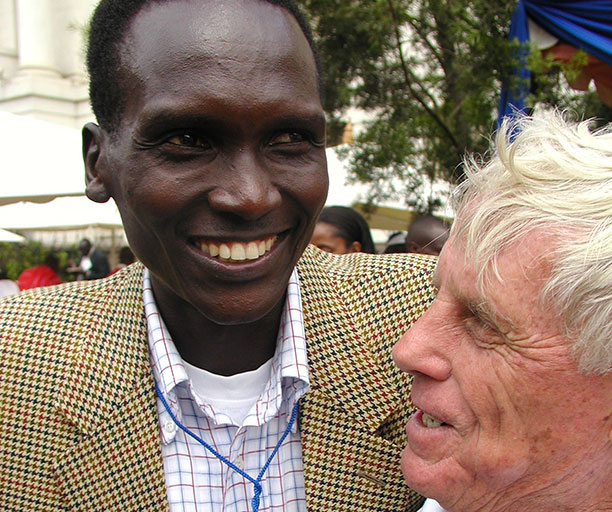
(289, 378)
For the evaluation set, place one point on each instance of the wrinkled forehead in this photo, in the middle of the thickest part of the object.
(529, 254)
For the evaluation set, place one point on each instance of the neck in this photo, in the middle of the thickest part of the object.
(226, 350)
(221, 349)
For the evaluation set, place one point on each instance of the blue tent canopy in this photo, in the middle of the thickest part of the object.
(586, 25)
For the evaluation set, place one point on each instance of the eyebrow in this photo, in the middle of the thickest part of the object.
(481, 308)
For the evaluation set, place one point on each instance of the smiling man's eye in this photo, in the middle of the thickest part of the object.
(288, 138)
(190, 140)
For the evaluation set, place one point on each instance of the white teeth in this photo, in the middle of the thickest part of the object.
(430, 421)
(252, 252)
(238, 251)
(224, 252)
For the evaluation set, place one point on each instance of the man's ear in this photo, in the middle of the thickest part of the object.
(96, 189)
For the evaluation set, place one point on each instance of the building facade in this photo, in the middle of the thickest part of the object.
(42, 49)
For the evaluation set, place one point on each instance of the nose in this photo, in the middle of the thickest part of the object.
(422, 349)
(248, 189)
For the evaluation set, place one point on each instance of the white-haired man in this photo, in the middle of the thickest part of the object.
(512, 363)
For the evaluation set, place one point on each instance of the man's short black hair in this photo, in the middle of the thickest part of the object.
(109, 24)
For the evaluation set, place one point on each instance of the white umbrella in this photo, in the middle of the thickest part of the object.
(7, 236)
(39, 160)
(60, 214)
(65, 220)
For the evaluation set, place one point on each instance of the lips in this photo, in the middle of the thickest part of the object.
(236, 251)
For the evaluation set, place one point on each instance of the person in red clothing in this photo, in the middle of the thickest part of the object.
(41, 275)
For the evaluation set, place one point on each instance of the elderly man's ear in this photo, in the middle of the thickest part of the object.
(93, 138)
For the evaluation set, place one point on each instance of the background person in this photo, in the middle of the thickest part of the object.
(342, 230)
(396, 243)
(46, 274)
(427, 235)
(211, 141)
(512, 363)
(126, 257)
(93, 264)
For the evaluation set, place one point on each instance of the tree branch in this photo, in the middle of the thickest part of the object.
(424, 38)
(408, 77)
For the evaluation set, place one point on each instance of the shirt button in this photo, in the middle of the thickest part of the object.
(239, 462)
(170, 427)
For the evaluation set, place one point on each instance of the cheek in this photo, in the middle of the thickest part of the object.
(310, 190)
(524, 426)
(307, 195)
(150, 195)
(153, 199)
(498, 417)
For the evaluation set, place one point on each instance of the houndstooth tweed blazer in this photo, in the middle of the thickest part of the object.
(78, 420)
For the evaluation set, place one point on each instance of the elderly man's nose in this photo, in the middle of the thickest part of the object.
(419, 350)
(248, 191)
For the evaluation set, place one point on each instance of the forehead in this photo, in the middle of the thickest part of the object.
(176, 37)
(325, 229)
(514, 291)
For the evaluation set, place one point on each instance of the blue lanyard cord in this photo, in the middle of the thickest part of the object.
(256, 482)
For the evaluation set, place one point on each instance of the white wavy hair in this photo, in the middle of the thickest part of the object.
(555, 176)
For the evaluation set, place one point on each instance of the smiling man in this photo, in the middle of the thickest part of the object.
(232, 368)
(512, 363)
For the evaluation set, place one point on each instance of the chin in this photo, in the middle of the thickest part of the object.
(428, 479)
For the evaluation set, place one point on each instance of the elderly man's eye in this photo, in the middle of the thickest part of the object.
(190, 140)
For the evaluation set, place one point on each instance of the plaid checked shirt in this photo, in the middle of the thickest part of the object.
(196, 480)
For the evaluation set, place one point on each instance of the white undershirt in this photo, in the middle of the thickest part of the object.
(234, 395)
(431, 506)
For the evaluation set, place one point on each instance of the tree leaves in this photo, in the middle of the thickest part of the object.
(429, 73)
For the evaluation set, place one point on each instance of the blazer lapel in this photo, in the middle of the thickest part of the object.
(353, 417)
(118, 465)
(347, 468)
(115, 462)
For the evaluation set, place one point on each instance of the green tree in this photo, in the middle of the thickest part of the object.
(428, 73)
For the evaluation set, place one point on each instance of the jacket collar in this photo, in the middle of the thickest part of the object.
(344, 357)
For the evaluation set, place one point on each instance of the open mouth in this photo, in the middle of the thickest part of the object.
(431, 422)
(236, 251)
